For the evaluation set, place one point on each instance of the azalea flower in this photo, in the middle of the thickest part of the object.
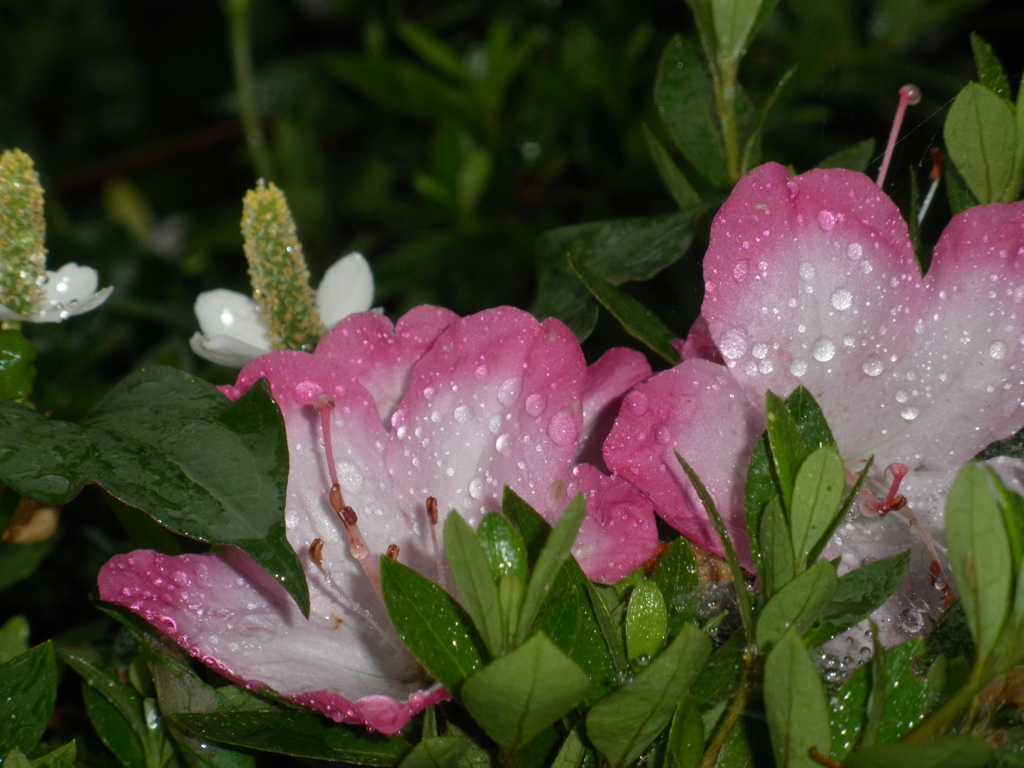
(232, 333)
(71, 290)
(389, 428)
(812, 280)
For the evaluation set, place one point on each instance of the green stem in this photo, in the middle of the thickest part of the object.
(237, 12)
(725, 75)
(732, 716)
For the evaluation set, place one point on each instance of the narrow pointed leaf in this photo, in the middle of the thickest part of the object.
(817, 492)
(28, 692)
(798, 604)
(946, 752)
(473, 577)
(794, 699)
(674, 180)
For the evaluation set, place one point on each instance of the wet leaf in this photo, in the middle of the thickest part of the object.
(646, 621)
(794, 699)
(474, 580)
(431, 623)
(446, 752)
(623, 724)
(520, 694)
(17, 365)
(798, 604)
(817, 491)
(946, 752)
(678, 579)
(504, 547)
(28, 692)
(990, 70)
(981, 135)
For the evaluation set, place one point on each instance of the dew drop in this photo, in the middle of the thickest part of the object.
(508, 391)
(798, 368)
(740, 270)
(503, 444)
(826, 220)
(854, 251)
(476, 488)
(909, 413)
(733, 344)
(997, 350)
(901, 396)
(823, 350)
(872, 365)
(760, 351)
(636, 403)
(535, 404)
(662, 435)
(562, 428)
(842, 299)
(481, 372)
(807, 271)
(462, 414)
(307, 391)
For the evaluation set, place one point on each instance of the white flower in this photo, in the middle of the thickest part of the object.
(233, 334)
(71, 290)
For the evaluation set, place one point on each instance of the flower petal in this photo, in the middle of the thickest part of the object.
(379, 354)
(698, 344)
(346, 288)
(812, 281)
(231, 332)
(607, 380)
(71, 290)
(618, 534)
(494, 402)
(965, 373)
(226, 611)
(701, 411)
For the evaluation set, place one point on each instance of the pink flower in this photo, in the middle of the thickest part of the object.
(435, 406)
(812, 280)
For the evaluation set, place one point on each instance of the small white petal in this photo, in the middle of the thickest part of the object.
(231, 331)
(71, 290)
(347, 288)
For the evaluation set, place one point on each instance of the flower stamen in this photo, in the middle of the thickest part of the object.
(909, 94)
(442, 574)
(894, 500)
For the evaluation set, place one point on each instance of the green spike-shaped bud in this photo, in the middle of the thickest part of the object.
(22, 229)
(278, 271)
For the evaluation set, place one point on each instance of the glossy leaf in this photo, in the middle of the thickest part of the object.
(635, 319)
(295, 733)
(685, 99)
(778, 563)
(17, 365)
(906, 693)
(114, 730)
(675, 180)
(946, 752)
(817, 492)
(794, 699)
(446, 752)
(504, 547)
(858, 594)
(646, 621)
(432, 625)
(685, 743)
(473, 578)
(553, 555)
(734, 21)
(847, 707)
(28, 692)
(981, 135)
(572, 753)
(798, 604)
(979, 555)
(623, 724)
(520, 694)
(990, 70)
(170, 444)
(678, 579)
(784, 444)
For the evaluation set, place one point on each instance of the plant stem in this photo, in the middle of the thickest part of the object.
(725, 82)
(237, 13)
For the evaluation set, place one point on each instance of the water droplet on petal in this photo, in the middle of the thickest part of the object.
(508, 391)
(562, 429)
(901, 396)
(503, 444)
(733, 344)
(535, 404)
(807, 271)
(909, 413)
(481, 372)
(760, 351)
(842, 299)
(636, 403)
(872, 365)
(463, 413)
(476, 488)
(824, 349)
(826, 220)
(798, 368)
(854, 251)
(997, 350)
(662, 435)
(739, 271)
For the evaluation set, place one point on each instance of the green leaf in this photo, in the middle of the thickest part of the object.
(980, 133)
(990, 70)
(778, 563)
(14, 636)
(979, 555)
(798, 604)
(295, 733)
(28, 692)
(679, 581)
(635, 319)
(431, 623)
(446, 752)
(856, 157)
(794, 700)
(810, 421)
(734, 21)
(553, 555)
(646, 621)
(432, 50)
(623, 724)
(685, 744)
(504, 547)
(675, 180)
(944, 752)
(473, 578)
(572, 753)
(520, 694)
(685, 99)
(951, 635)
(847, 707)
(857, 595)
(816, 495)
(784, 446)
(906, 693)
(170, 444)
(19, 561)
(532, 528)
(114, 730)
(957, 193)
(759, 490)
(17, 365)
